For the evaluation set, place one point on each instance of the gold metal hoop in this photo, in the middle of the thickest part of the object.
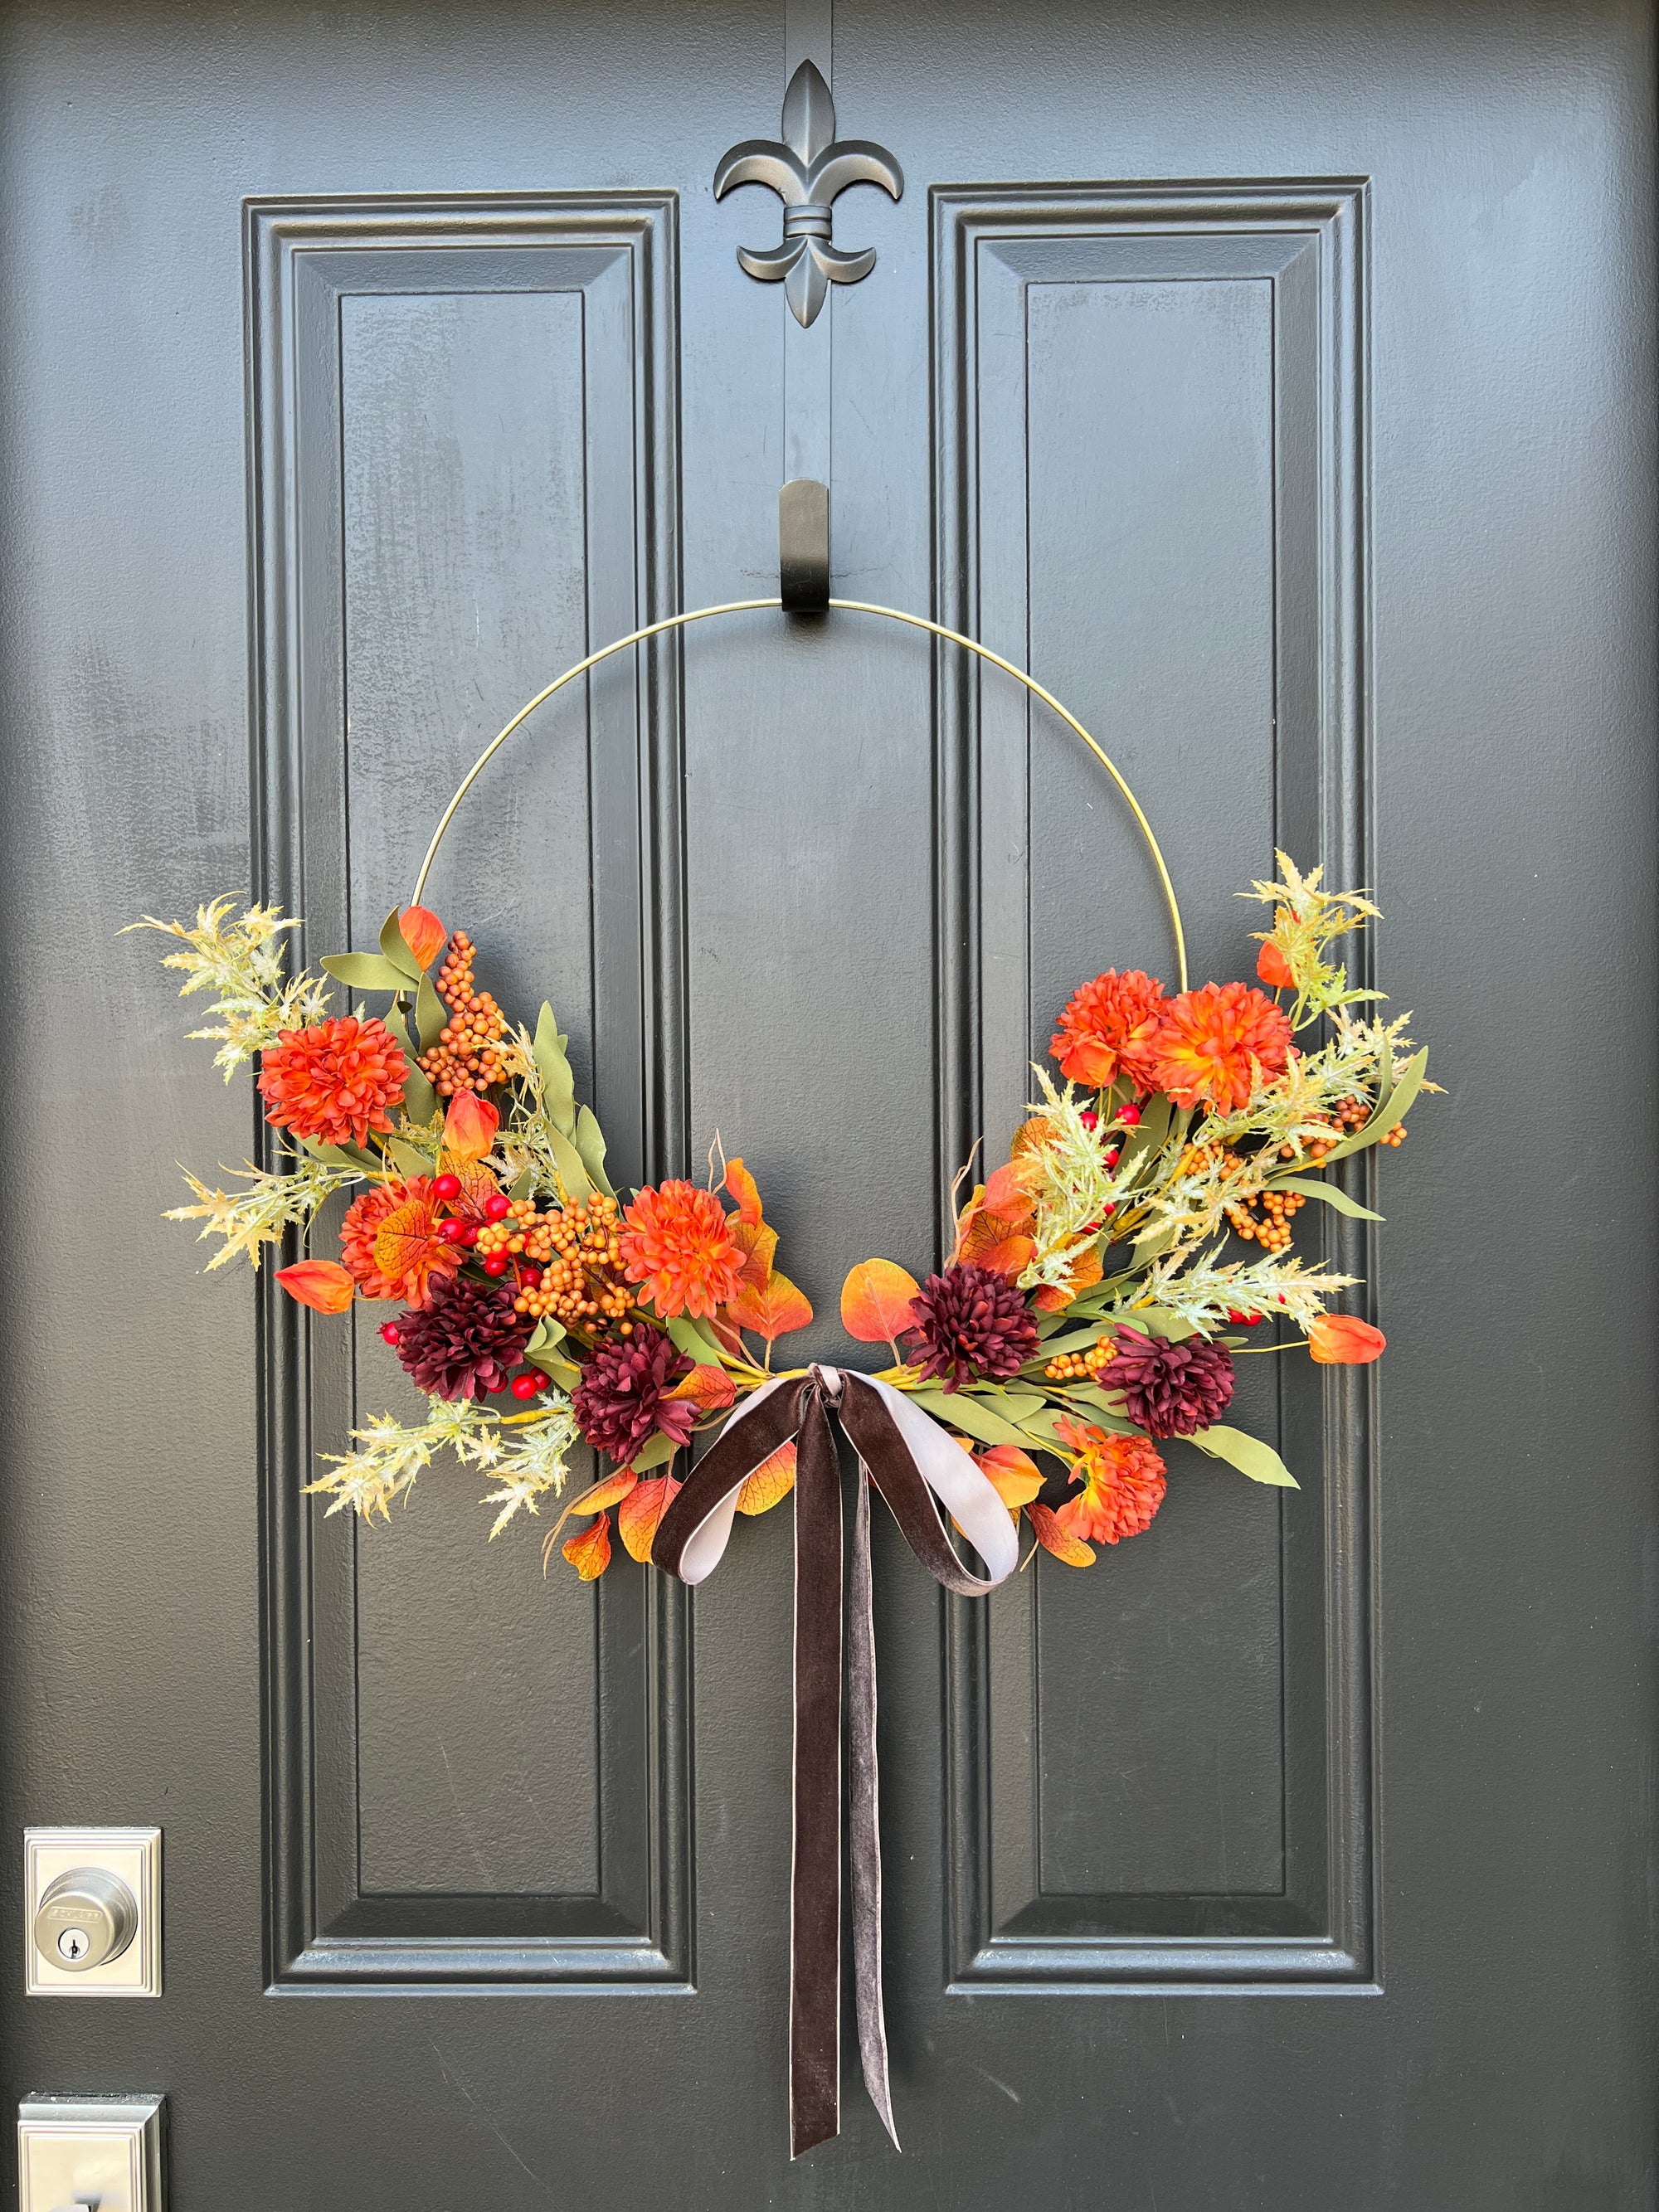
(843, 606)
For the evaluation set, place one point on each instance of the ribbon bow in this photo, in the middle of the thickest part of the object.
(918, 1468)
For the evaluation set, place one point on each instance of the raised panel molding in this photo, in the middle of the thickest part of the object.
(1314, 1926)
(614, 254)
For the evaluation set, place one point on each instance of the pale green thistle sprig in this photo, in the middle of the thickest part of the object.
(241, 961)
(269, 1206)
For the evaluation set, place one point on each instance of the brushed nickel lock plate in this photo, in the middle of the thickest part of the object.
(77, 2152)
(91, 1913)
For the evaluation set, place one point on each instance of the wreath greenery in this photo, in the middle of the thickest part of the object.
(1101, 1284)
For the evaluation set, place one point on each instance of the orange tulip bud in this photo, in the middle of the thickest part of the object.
(470, 1128)
(1340, 1340)
(320, 1284)
(422, 933)
(1273, 968)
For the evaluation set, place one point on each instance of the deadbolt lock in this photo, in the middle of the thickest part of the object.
(91, 1913)
(85, 1919)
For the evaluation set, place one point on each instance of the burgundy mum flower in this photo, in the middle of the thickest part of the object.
(1170, 1389)
(974, 1326)
(466, 1342)
(621, 1400)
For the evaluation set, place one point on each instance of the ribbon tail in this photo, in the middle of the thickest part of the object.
(865, 1815)
(815, 1873)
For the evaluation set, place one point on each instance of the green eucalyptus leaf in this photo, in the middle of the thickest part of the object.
(1155, 1321)
(523, 1185)
(971, 1415)
(1247, 1454)
(589, 1143)
(409, 1158)
(1401, 1100)
(396, 951)
(420, 1099)
(556, 1369)
(660, 1448)
(341, 1156)
(429, 1015)
(572, 1173)
(365, 971)
(1107, 1412)
(1310, 1187)
(1080, 1340)
(558, 1083)
(546, 1335)
(689, 1337)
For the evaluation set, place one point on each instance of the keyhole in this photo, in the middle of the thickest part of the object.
(73, 1943)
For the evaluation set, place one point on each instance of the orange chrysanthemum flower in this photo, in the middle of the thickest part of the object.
(389, 1242)
(1216, 1045)
(1123, 1485)
(335, 1081)
(678, 1242)
(1105, 1030)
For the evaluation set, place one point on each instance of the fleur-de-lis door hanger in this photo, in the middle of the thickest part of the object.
(807, 170)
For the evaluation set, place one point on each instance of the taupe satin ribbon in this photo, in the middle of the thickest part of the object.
(917, 1467)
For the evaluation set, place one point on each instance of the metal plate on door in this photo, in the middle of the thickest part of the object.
(73, 2153)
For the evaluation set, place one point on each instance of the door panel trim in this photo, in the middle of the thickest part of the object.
(617, 252)
(990, 247)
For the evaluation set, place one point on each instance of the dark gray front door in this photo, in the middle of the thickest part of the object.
(1277, 383)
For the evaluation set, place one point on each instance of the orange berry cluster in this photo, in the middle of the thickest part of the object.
(1272, 1230)
(1074, 1367)
(583, 1285)
(514, 1233)
(467, 1056)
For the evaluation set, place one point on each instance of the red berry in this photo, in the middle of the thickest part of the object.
(527, 1386)
(390, 1332)
(1128, 1115)
(530, 1277)
(469, 1232)
(1112, 1157)
(1110, 1205)
(453, 1232)
(1236, 1319)
(496, 1264)
(446, 1189)
(497, 1206)
(1089, 1119)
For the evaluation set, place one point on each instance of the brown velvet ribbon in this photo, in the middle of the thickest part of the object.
(803, 1410)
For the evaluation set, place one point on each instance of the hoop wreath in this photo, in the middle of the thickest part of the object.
(1101, 1285)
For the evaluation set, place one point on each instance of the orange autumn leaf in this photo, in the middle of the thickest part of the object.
(1007, 1196)
(422, 933)
(607, 1491)
(1071, 1550)
(772, 1309)
(641, 1511)
(589, 1550)
(710, 1388)
(742, 1185)
(985, 1241)
(470, 1127)
(407, 1250)
(593, 1500)
(757, 1241)
(1014, 1474)
(771, 1482)
(1337, 1340)
(875, 1301)
(323, 1285)
(1086, 1271)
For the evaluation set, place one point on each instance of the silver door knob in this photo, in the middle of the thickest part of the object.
(85, 1917)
